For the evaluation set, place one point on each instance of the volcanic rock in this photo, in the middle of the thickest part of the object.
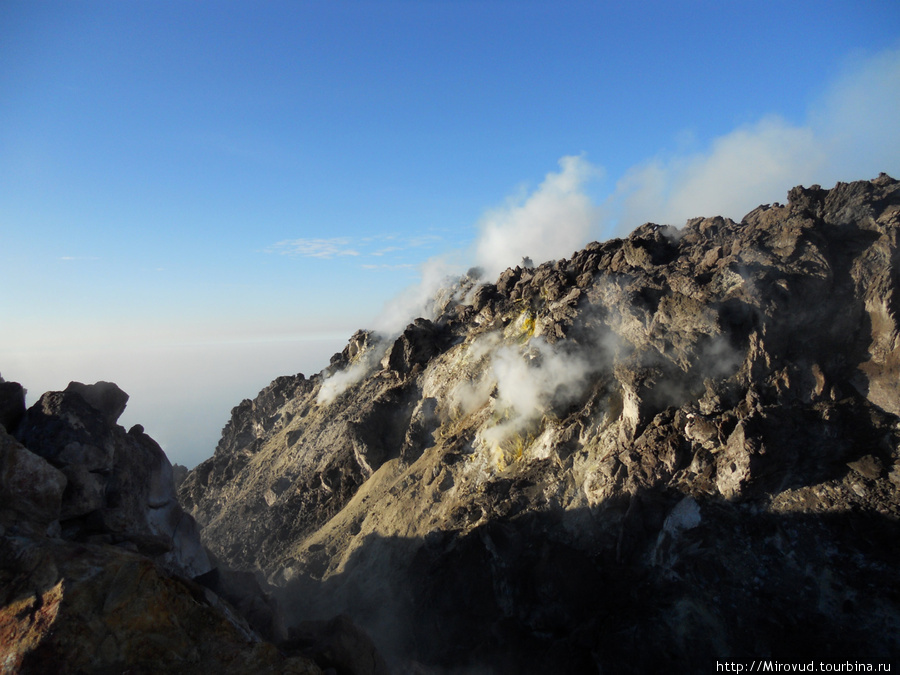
(668, 451)
(179, 473)
(105, 397)
(76, 608)
(31, 490)
(12, 404)
(119, 485)
(96, 555)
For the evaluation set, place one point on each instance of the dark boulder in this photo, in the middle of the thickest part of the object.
(106, 397)
(12, 404)
(96, 554)
(418, 343)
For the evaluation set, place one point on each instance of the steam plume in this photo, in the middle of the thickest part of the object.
(557, 219)
(849, 132)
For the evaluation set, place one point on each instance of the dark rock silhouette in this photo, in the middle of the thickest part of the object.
(12, 404)
(119, 485)
(106, 397)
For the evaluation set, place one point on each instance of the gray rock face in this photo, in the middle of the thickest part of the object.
(669, 449)
(31, 490)
(96, 555)
(106, 397)
(179, 473)
(415, 347)
(118, 485)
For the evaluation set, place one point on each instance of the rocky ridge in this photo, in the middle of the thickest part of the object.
(101, 570)
(670, 449)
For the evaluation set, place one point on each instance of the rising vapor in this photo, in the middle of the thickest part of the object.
(553, 221)
(849, 132)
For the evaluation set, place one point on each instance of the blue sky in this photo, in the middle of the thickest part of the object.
(196, 197)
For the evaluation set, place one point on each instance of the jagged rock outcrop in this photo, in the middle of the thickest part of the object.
(100, 568)
(345, 448)
(670, 449)
(119, 487)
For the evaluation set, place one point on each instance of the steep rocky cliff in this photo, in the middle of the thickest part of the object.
(670, 449)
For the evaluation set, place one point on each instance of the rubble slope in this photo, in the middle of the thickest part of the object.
(668, 449)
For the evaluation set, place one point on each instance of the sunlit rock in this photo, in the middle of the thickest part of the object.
(671, 448)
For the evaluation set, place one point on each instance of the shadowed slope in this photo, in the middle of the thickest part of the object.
(747, 371)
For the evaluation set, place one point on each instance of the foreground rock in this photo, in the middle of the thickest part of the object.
(119, 487)
(74, 608)
(97, 557)
(667, 451)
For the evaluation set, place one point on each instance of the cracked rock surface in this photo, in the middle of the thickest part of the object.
(667, 450)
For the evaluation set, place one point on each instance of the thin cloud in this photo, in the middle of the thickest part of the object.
(362, 246)
(397, 242)
(315, 248)
(386, 249)
(424, 240)
(385, 266)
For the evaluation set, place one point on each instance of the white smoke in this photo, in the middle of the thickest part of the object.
(530, 382)
(552, 222)
(747, 167)
(366, 361)
(419, 300)
(472, 393)
(850, 133)
(857, 118)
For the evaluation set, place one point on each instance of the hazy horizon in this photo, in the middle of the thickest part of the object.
(199, 198)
